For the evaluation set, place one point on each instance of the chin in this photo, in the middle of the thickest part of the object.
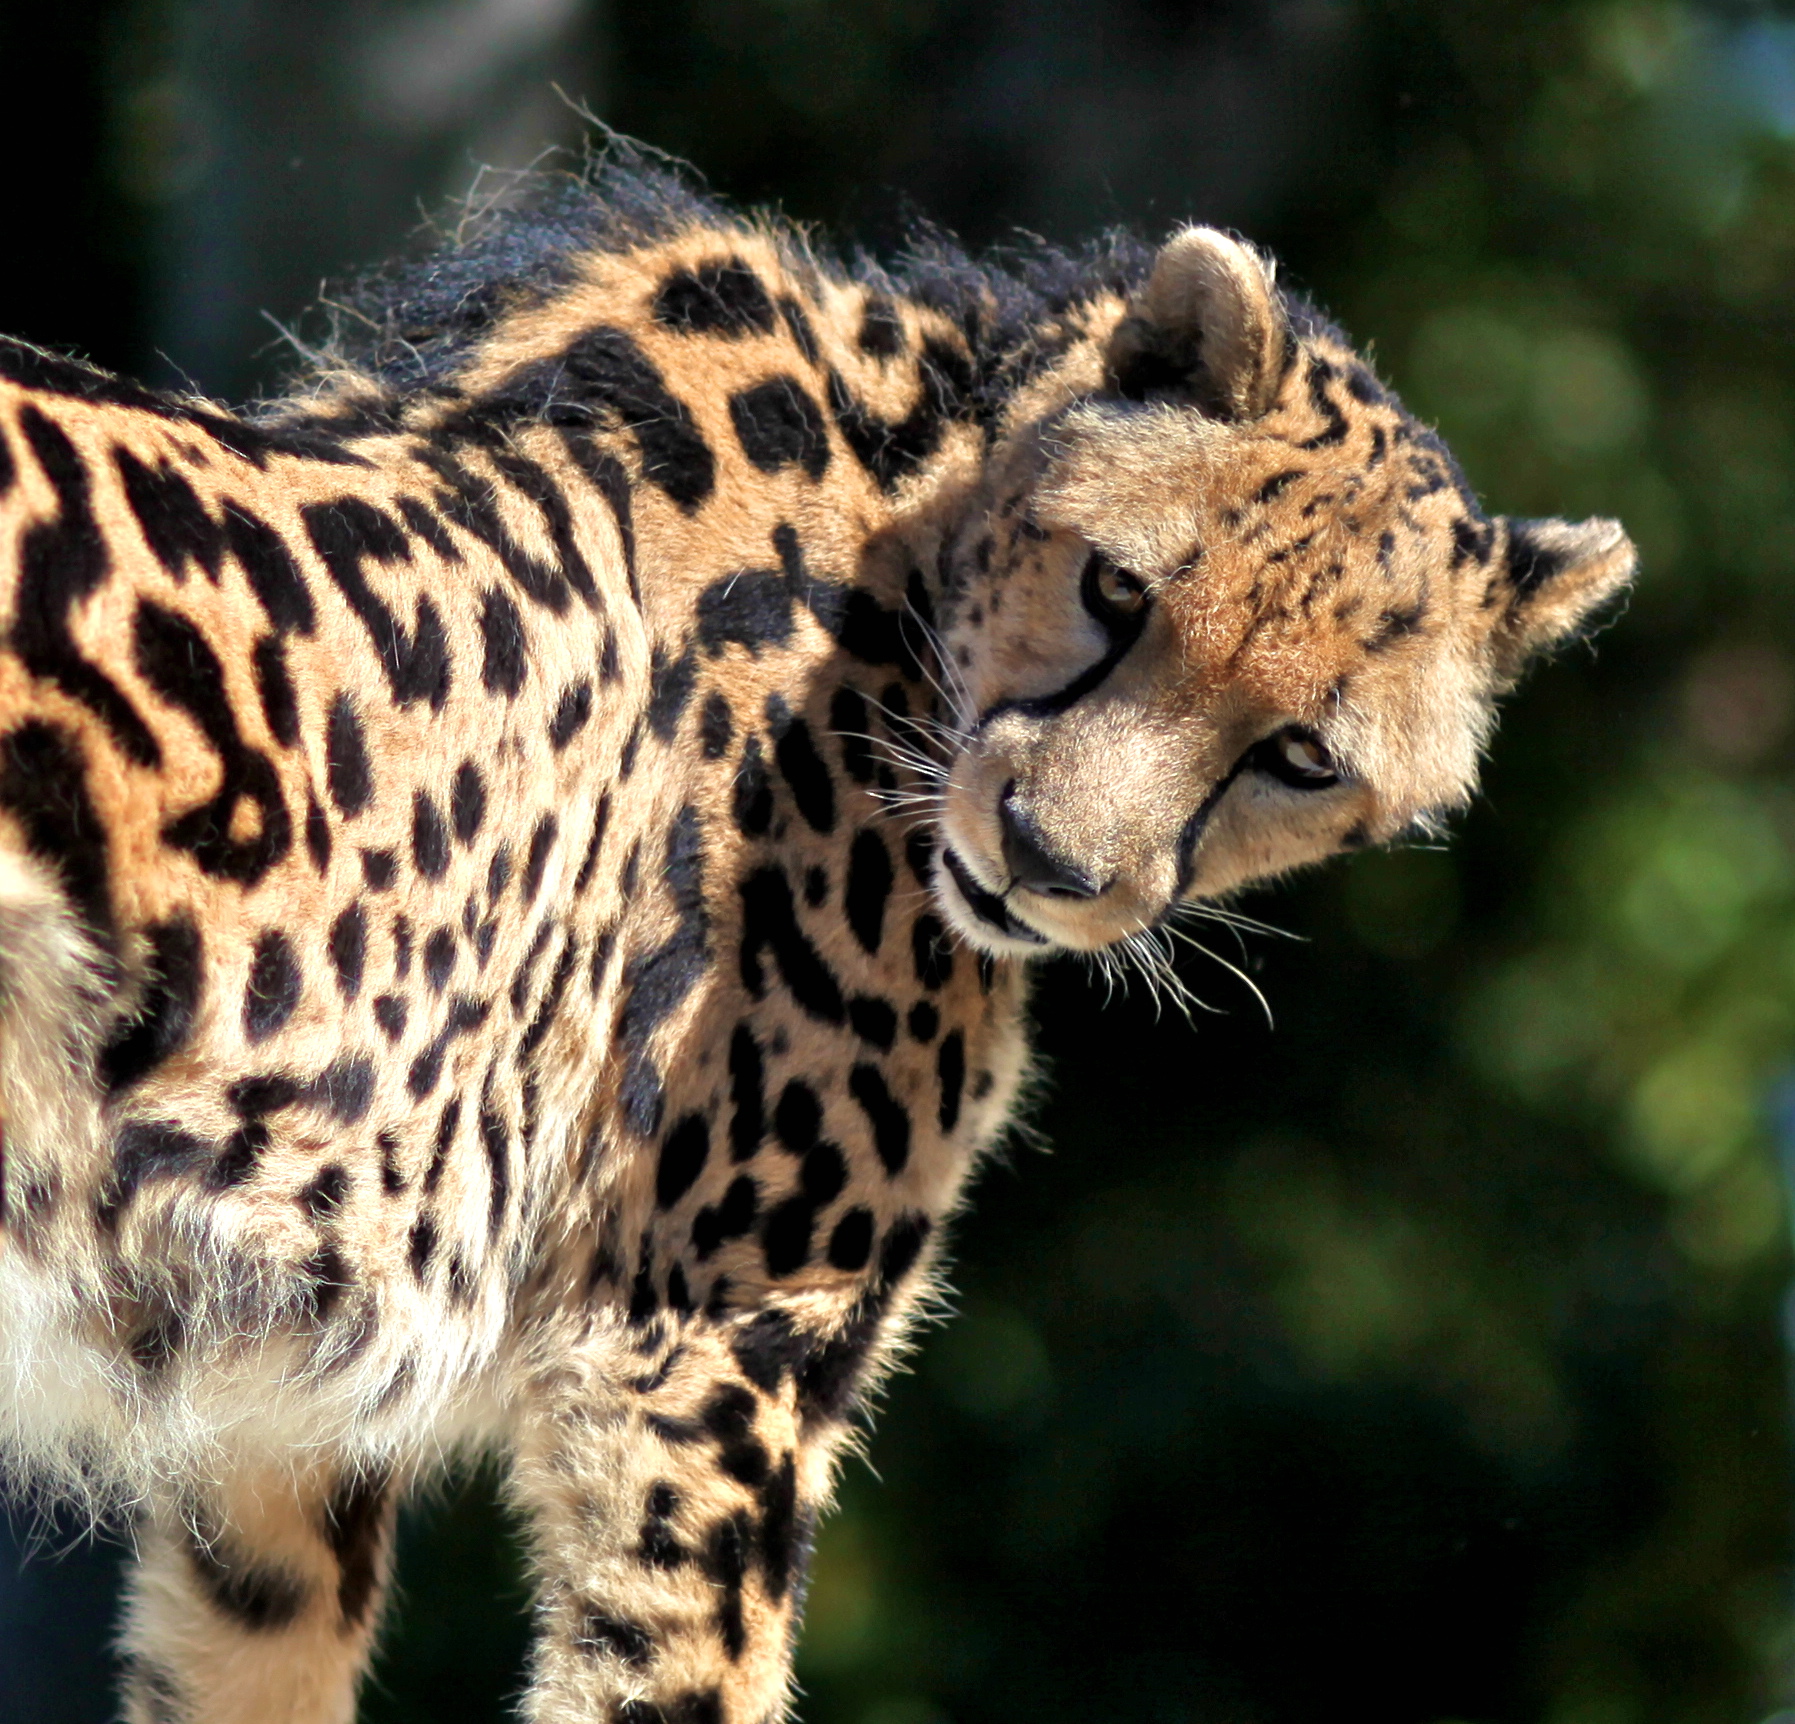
(981, 918)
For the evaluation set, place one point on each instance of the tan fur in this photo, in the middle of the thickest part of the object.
(611, 1116)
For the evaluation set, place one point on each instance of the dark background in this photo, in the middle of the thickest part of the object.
(1421, 1360)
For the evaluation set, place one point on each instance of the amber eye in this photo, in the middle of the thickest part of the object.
(1298, 758)
(1112, 591)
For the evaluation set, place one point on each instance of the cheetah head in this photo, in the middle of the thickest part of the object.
(1224, 610)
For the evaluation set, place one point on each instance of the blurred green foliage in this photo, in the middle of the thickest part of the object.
(1423, 1358)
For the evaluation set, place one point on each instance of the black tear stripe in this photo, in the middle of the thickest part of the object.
(889, 450)
(602, 378)
(779, 425)
(656, 981)
(724, 297)
(165, 1016)
(62, 562)
(770, 921)
(348, 533)
(174, 522)
(174, 658)
(43, 781)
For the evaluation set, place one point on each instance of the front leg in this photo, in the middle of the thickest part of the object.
(255, 1601)
(672, 1472)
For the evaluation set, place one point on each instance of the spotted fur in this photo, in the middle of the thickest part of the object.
(517, 866)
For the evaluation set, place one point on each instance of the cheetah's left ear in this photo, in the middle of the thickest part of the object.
(1208, 328)
(1553, 576)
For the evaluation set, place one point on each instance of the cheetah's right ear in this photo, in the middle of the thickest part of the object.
(1208, 328)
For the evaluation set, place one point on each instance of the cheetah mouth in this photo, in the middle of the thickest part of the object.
(987, 907)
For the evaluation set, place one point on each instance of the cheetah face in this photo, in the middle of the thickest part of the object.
(1224, 615)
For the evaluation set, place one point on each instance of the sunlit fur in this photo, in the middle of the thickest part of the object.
(475, 839)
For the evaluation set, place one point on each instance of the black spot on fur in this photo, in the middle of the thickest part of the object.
(349, 949)
(274, 986)
(950, 1068)
(357, 1518)
(142, 1151)
(502, 632)
(730, 1219)
(779, 425)
(770, 921)
(881, 330)
(347, 769)
(891, 449)
(495, 1139)
(601, 819)
(752, 800)
(467, 802)
(873, 1020)
(812, 788)
(174, 521)
(439, 958)
(280, 705)
(785, 1236)
(924, 1021)
(722, 298)
(851, 723)
(670, 685)
(798, 1119)
(748, 1122)
(317, 834)
(656, 981)
(164, 1018)
(257, 1598)
(345, 1088)
(379, 869)
(603, 378)
(429, 837)
(684, 1152)
(324, 1196)
(542, 841)
(429, 528)
(43, 782)
(657, 1545)
(174, 658)
(571, 715)
(391, 1013)
(350, 532)
(62, 561)
(932, 952)
(851, 1244)
(751, 606)
(599, 1634)
(869, 886)
(716, 726)
(272, 572)
(886, 1114)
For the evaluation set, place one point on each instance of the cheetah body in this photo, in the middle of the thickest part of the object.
(504, 930)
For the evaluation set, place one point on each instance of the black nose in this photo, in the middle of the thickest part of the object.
(1032, 864)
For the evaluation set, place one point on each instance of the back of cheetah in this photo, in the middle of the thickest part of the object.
(518, 866)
